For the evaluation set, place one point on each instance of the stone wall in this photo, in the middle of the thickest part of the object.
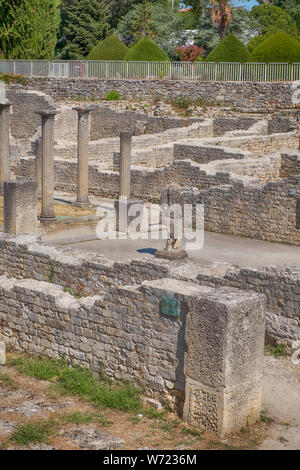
(206, 153)
(265, 212)
(128, 334)
(89, 274)
(253, 96)
(290, 165)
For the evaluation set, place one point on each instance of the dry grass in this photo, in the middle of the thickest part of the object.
(61, 210)
(146, 428)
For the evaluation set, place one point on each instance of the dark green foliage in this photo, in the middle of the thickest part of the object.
(279, 47)
(34, 432)
(146, 50)
(112, 48)
(84, 25)
(112, 95)
(28, 28)
(231, 49)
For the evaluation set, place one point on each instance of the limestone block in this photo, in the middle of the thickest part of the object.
(20, 207)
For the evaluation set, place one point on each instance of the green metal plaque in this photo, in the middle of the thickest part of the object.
(170, 307)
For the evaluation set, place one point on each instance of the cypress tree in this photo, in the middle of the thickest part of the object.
(85, 24)
(28, 28)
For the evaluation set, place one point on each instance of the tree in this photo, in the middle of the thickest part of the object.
(171, 28)
(29, 28)
(143, 26)
(85, 24)
(292, 7)
(267, 20)
(109, 49)
(279, 47)
(117, 9)
(221, 15)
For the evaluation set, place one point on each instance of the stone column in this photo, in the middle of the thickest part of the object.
(20, 206)
(38, 165)
(4, 143)
(83, 156)
(125, 164)
(47, 212)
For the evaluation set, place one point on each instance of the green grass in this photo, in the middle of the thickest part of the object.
(75, 380)
(277, 351)
(192, 432)
(34, 432)
(78, 417)
(7, 381)
(38, 367)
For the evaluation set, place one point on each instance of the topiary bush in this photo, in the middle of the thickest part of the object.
(231, 49)
(112, 48)
(146, 50)
(280, 47)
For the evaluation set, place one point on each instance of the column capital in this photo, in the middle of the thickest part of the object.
(125, 134)
(47, 113)
(83, 109)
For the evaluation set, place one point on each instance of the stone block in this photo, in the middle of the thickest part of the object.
(20, 206)
(2, 353)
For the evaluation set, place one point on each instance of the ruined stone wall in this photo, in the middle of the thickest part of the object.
(265, 212)
(254, 96)
(89, 274)
(290, 165)
(204, 154)
(129, 335)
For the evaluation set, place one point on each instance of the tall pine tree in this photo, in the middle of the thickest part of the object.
(28, 28)
(84, 25)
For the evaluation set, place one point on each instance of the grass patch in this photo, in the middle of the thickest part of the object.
(78, 417)
(152, 413)
(38, 367)
(75, 380)
(277, 351)
(192, 432)
(8, 382)
(34, 432)
(265, 418)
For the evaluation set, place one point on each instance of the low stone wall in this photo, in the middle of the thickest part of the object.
(186, 357)
(265, 212)
(263, 96)
(89, 274)
(102, 151)
(290, 165)
(205, 154)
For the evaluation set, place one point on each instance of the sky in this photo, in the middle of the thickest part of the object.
(248, 4)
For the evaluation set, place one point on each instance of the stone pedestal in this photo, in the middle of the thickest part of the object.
(20, 206)
(47, 212)
(82, 199)
(4, 143)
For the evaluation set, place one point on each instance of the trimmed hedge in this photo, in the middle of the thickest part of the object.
(280, 47)
(112, 48)
(231, 49)
(146, 50)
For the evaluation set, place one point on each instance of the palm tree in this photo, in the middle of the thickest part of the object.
(221, 15)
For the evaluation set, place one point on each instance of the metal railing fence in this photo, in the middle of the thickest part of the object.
(199, 71)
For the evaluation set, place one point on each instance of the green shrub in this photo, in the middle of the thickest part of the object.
(231, 49)
(112, 48)
(112, 95)
(279, 47)
(146, 50)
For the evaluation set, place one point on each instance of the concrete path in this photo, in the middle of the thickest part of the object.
(281, 402)
(217, 247)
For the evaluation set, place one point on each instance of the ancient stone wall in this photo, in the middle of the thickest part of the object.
(89, 274)
(129, 334)
(258, 96)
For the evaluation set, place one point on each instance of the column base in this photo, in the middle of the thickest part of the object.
(47, 219)
(171, 254)
(82, 204)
